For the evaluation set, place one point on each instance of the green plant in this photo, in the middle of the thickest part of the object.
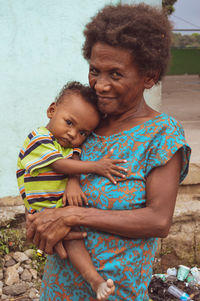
(11, 240)
(38, 262)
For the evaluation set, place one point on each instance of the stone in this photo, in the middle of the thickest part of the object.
(15, 289)
(33, 273)
(181, 243)
(33, 293)
(1, 286)
(8, 214)
(197, 242)
(193, 176)
(20, 256)
(30, 253)
(1, 274)
(20, 270)
(184, 236)
(4, 297)
(11, 275)
(27, 266)
(191, 189)
(7, 257)
(2, 261)
(11, 200)
(10, 262)
(26, 275)
(30, 284)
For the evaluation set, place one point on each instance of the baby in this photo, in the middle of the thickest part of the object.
(51, 153)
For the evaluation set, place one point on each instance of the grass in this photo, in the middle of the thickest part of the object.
(184, 61)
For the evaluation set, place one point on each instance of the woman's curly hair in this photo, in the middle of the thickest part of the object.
(143, 29)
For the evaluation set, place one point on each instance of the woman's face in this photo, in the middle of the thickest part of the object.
(116, 79)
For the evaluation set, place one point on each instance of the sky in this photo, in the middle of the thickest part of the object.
(186, 10)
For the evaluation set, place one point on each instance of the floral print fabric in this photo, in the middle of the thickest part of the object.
(127, 261)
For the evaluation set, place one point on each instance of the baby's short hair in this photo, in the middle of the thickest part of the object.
(75, 87)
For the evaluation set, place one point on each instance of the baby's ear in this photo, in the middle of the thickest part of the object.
(151, 79)
(51, 110)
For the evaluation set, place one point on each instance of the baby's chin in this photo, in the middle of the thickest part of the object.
(64, 143)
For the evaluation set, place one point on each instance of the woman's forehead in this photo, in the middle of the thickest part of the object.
(105, 54)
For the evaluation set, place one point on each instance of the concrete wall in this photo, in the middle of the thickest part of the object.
(40, 51)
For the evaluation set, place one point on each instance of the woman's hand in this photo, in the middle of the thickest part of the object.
(48, 228)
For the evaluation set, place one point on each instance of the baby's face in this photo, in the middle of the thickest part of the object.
(72, 120)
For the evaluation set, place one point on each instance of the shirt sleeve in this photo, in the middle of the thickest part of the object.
(39, 153)
(77, 150)
(167, 141)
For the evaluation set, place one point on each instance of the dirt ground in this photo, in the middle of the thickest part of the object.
(181, 99)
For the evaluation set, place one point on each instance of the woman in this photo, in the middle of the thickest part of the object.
(128, 50)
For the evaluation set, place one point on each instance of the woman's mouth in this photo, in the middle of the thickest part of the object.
(105, 99)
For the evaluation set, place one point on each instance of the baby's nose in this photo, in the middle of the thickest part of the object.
(72, 133)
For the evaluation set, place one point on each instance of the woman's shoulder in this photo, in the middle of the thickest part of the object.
(165, 121)
(161, 126)
(158, 122)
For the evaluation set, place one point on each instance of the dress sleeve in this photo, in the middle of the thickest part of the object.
(166, 142)
(39, 153)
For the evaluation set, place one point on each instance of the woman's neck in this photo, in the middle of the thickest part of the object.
(113, 124)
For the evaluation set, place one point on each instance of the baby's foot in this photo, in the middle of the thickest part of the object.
(105, 289)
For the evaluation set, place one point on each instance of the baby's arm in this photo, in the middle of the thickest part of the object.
(105, 167)
(73, 193)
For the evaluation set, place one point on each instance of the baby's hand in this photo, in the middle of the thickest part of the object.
(107, 167)
(73, 194)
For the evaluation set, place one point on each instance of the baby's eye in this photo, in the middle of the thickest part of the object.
(82, 133)
(68, 122)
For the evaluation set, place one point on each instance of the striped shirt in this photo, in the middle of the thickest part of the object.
(40, 186)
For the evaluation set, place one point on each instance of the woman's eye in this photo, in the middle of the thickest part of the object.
(93, 71)
(115, 75)
(68, 122)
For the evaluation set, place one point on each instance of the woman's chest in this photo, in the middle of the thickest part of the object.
(126, 194)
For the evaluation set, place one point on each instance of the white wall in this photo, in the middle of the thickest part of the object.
(40, 51)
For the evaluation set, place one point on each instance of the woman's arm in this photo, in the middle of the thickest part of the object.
(105, 167)
(152, 221)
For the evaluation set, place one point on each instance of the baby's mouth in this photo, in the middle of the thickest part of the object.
(65, 142)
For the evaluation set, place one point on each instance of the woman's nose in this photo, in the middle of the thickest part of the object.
(102, 85)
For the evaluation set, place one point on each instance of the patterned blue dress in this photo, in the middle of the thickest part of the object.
(127, 261)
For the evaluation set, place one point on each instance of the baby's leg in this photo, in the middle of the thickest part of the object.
(80, 258)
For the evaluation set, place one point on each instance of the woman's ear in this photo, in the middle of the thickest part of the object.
(151, 79)
(51, 110)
